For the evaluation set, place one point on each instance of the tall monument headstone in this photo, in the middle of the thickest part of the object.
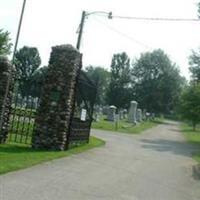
(132, 112)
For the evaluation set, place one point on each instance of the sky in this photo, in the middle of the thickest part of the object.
(53, 22)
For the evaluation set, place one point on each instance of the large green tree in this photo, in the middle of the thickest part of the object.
(101, 78)
(190, 104)
(119, 92)
(27, 61)
(194, 61)
(157, 82)
(5, 44)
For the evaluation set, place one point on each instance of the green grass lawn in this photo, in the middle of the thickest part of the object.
(16, 156)
(192, 137)
(125, 127)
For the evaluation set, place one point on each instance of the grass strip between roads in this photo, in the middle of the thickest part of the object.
(125, 127)
(192, 137)
(16, 156)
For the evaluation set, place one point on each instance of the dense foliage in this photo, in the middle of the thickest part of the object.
(190, 104)
(157, 82)
(119, 92)
(5, 44)
(194, 61)
(101, 77)
(27, 61)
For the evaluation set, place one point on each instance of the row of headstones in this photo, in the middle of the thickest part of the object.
(134, 114)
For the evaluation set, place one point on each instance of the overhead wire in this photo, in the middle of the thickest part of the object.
(123, 34)
(153, 18)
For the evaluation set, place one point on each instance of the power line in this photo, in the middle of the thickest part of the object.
(154, 18)
(158, 19)
(123, 34)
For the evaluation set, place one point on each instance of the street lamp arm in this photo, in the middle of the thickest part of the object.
(84, 15)
(100, 12)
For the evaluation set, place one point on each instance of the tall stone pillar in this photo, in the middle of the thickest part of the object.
(55, 110)
(132, 112)
(6, 70)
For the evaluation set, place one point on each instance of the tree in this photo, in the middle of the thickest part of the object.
(194, 61)
(119, 92)
(38, 80)
(5, 44)
(198, 9)
(190, 104)
(101, 77)
(27, 61)
(157, 82)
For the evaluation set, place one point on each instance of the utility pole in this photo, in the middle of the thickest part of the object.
(81, 30)
(10, 74)
(81, 26)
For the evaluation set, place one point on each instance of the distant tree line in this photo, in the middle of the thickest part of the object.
(152, 80)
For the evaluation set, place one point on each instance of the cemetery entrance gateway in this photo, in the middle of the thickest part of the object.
(24, 108)
(32, 107)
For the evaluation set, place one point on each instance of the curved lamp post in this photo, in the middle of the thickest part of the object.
(84, 15)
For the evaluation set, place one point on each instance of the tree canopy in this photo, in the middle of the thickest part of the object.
(5, 44)
(27, 61)
(119, 91)
(101, 77)
(190, 104)
(194, 61)
(157, 82)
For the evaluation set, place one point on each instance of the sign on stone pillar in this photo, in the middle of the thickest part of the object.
(132, 112)
(6, 74)
(55, 110)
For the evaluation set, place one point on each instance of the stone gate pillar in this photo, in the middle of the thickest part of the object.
(54, 113)
(6, 70)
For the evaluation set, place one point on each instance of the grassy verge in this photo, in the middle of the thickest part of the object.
(192, 137)
(125, 127)
(16, 156)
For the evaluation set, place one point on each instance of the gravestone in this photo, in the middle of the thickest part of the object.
(144, 114)
(111, 113)
(132, 112)
(125, 113)
(139, 115)
(121, 114)
(55, 110)
(105, 110)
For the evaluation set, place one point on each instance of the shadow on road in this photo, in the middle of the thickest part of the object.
(196, 172)
(175, 147)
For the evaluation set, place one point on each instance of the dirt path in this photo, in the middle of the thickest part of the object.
(156, 165)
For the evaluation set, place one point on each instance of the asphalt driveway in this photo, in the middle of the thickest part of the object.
(155, 165)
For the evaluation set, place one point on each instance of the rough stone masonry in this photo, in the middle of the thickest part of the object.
(6, 73)
(55, 110)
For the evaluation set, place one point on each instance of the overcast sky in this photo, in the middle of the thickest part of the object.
(53, 22)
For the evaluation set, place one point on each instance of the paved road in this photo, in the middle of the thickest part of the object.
(156, 165)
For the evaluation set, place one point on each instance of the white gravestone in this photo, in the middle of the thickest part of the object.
(139, 115)
(132, 112)
(111, 113)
